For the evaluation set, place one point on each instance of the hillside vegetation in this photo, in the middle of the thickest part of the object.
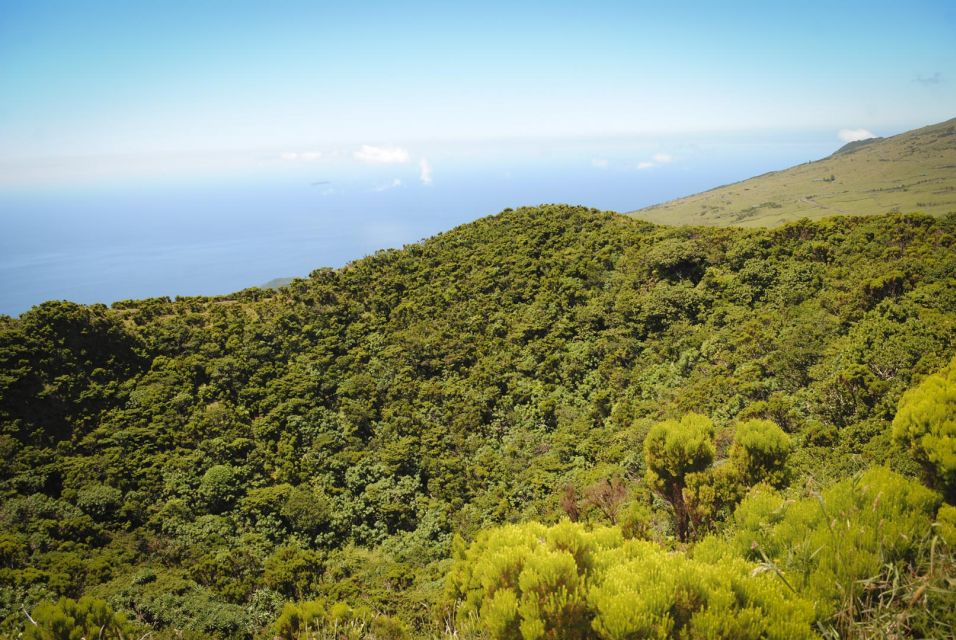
(913, 171)
(554, 422)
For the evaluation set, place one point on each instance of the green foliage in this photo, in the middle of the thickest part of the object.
(100, 502)
(838, 548)
(72, 620)
(760, 451)
(315, 620)
(530, 581)
(219, 487)
(926, 423)
(674, 450)
(197, 461)
(293, 571)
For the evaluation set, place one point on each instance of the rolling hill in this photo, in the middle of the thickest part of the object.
(321, 454)
(909, 172)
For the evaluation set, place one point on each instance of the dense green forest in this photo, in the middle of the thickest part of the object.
(554, 422)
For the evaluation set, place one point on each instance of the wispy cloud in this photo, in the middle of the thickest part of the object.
(600, 163)
(656, 160)
(382, 155)
(425, 171)
(854, 135)
(936, 78)
(394, 184)
(300, 156)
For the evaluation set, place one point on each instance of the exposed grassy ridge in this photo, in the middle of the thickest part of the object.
(913, 171)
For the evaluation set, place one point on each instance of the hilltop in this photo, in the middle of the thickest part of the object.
(909, 172)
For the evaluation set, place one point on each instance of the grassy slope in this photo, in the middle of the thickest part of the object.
(913, 171)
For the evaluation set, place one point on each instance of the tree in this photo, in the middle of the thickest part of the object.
(926, 424)
(219, 487)
(672, 450)
(760, 451)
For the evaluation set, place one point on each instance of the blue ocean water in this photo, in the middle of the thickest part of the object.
(108, 241)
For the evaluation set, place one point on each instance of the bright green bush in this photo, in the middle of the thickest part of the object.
(672, 451)
(946, 521)
(99, 501)
(830, 547)
(72, 620)
(760, 451)
(315, 620)
(926, 423)
(299, 619)
(525, 582)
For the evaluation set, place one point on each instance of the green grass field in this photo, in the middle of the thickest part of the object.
(913, 171)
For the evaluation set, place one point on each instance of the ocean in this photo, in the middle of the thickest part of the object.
(105, 240)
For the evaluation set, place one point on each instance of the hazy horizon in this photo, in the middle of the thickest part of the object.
(185, 148)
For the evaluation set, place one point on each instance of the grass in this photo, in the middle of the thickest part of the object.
(913, 171)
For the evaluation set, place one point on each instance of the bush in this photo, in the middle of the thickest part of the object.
(672, 451)
(219, 487)
(926, 423)
(72, 620)
(530, 581)
(760, 452)
(837, 548)
(101, 502)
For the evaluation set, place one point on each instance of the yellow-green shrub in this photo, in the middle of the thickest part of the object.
(826, 546)
(760, 451)
(926, 423)
(530, 581)
(74, 619)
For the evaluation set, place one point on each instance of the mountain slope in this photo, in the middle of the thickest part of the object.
(199, 462)
(913, 171)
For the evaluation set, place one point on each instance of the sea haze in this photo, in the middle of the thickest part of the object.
(287, 213)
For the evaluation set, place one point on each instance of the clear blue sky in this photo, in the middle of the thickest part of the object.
(163, 79)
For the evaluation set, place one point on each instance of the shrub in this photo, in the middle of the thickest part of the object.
(926, 423)
(562, 582)
(672, 450)
(836, 548)
(760, 452)
(219, 487)
(72, 620)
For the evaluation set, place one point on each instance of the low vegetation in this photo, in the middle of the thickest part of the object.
(913, 171)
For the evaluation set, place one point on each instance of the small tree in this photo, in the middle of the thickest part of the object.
(219, 487)
(607, 496)
(926, 423)
(760, 451)
(672, 450)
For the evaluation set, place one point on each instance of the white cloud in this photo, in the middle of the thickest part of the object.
(656, 160)
(600, 163)
(382, 155)
(425, 171)
(388, 185)
(853, 135)
(303, 156)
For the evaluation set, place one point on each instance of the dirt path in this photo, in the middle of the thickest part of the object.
(813, 203)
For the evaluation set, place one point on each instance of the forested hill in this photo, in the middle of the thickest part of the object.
(240, 466)
(912, 171)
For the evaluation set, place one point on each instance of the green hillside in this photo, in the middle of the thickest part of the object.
(554, 422)
(913, 171)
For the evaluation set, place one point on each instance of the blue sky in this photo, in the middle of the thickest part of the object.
(107, 86)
